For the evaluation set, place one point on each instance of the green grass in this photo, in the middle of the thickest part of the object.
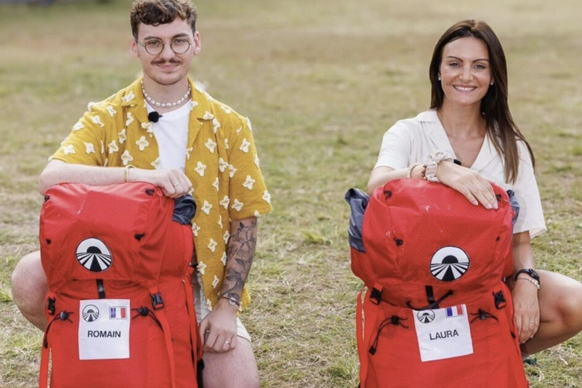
(321, 80)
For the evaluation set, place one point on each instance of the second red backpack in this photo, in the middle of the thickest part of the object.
(436, 312)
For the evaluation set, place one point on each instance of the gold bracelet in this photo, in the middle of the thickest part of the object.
(410, 168)
(126, 173)
(532, 281)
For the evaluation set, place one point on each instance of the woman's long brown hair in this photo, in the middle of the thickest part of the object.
(494, 106)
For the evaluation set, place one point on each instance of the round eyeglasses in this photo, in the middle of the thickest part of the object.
(156, 46)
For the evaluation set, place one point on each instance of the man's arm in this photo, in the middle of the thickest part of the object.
(240, 254)
(218, 329)
(173, 182)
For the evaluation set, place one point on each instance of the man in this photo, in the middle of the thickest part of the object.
(164, 131)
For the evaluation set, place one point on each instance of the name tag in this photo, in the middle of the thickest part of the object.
(104, 329)
(443, 333)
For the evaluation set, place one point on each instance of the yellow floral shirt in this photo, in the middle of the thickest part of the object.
(221, 163)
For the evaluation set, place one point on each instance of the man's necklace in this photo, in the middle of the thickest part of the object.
(169, 104)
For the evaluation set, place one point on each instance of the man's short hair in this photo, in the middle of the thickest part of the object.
(156, 12)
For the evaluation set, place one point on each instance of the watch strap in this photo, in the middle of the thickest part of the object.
(530, 272)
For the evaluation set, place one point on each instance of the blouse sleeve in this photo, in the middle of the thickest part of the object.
(396, 147)
(531, 216)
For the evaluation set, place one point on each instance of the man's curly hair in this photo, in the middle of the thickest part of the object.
(156, 12)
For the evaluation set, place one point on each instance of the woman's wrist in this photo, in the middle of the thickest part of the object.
(432, 164)
(411, 170)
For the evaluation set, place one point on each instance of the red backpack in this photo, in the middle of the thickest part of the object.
(436, 312)
(119, 264)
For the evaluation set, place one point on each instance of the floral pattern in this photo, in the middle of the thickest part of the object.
(221, 162)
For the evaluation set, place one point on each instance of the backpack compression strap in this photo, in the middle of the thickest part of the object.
(194, 332)
(371, 304)
(158, 305)
(46, 349)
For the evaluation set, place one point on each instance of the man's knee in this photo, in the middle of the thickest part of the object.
(240, 380)
(235, 369)
(250, 379)
(29, 285)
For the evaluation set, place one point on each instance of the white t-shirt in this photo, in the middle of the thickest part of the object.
(171, 133)
(412, 140)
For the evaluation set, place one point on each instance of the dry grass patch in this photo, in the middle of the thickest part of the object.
(321, 80)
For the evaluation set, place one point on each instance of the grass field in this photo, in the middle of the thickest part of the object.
(321, 80)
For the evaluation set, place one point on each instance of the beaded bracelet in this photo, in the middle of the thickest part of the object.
(532, 281)
(233, 301)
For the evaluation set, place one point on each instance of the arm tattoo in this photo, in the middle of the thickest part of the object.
(240, 253)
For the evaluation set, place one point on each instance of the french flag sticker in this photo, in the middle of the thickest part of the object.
(454, 311)
(117, 312)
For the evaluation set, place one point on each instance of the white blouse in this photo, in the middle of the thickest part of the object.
(410, 141)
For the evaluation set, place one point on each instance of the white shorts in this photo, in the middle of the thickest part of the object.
(202, 309)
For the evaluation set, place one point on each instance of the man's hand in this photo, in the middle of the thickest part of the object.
(526, 310)
(218, 328)
(173, 182)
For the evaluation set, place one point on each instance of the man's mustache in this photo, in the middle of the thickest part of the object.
(163, 61)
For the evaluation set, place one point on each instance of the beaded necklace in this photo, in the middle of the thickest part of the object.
(169, 104)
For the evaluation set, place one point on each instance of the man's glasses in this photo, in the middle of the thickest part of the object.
(156, 46)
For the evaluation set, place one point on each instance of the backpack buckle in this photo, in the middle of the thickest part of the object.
(499, 299)
(51, 306)
(157, 301)
(376, 296)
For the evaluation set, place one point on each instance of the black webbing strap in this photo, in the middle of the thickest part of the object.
(429, 294)
(432, 303)
(100, 289)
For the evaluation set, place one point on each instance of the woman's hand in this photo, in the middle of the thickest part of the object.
(526, 310)
(467, 182)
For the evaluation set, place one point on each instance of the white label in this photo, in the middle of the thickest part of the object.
(443, 333)
(104, 329)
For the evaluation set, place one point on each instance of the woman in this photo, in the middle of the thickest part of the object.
(470, 121)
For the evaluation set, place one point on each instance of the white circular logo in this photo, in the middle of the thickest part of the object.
(449, 263)
(90, 313)
(425, 316)
(94, 255)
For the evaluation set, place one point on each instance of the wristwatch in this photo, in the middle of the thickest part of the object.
(533, 274)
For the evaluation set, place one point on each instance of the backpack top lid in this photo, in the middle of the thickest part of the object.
(85, 231)
(417, 234)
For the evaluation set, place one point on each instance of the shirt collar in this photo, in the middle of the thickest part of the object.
(133, 97)
(436, 132)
